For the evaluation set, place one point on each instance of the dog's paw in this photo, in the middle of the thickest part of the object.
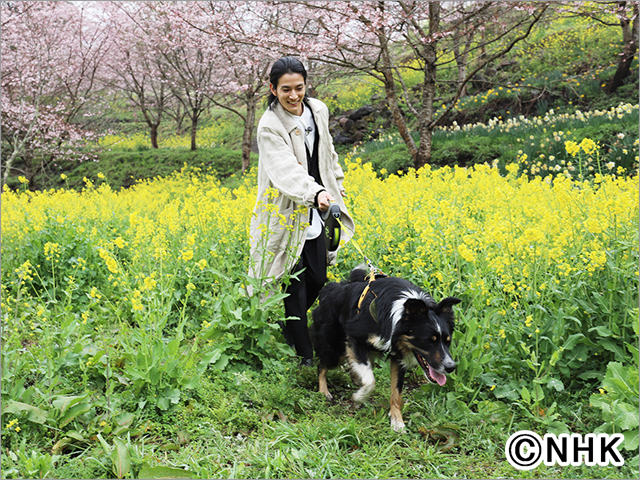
(398, 425)
(328, 396)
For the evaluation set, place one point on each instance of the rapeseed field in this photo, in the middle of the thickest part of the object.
(116, 302)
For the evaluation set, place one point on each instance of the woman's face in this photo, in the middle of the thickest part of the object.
(290, 92)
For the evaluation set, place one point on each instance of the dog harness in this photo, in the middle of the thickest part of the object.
(367, 289)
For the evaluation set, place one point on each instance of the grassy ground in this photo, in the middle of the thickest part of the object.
(273, 424)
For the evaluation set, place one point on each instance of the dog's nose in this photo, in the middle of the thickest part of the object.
(449, 365)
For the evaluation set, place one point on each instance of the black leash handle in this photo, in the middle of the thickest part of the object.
(332, 224)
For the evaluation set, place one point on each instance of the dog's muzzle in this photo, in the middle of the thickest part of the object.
(430, 374)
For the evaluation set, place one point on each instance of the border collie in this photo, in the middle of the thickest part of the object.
(388, 315)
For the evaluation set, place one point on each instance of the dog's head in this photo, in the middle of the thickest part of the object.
(425, 331)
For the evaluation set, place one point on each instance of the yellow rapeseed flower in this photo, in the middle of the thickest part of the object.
(572, 148)
(588, 146)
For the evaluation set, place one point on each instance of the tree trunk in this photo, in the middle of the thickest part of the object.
(392, 99)
(8, 166)
(154, 135)
(630, 42)
(461, 56)
(251, 101)
(425, 122)
(194, 127)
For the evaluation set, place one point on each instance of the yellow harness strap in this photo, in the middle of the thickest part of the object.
(372, 278)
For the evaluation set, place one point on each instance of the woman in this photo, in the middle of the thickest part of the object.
(298, 174)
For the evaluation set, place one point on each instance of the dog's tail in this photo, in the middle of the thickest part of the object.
(358, 274)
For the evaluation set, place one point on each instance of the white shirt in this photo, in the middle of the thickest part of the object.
(308, 126)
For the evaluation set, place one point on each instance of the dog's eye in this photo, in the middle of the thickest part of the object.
(434, 339)
(448, 339)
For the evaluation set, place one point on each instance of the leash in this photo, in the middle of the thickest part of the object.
(373, 270)
(371, 277)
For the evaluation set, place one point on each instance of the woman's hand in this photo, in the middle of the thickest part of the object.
(324, 201)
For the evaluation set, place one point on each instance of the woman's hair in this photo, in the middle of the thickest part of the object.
(281, 67)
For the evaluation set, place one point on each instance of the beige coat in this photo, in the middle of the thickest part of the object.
(286, 191)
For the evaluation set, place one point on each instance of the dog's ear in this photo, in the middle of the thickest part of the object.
(444, 310)
(445, 304)
(415, 307)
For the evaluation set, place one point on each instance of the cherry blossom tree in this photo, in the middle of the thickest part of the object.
(373, 38)
(237, 34)
(623, 15)
(188, 58)
(51, 56)
(136, 65)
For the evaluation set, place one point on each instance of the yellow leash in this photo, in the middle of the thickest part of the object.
(372, 269)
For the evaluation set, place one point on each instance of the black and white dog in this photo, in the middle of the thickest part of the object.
(389, 315)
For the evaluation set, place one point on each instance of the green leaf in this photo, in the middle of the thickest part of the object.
(626, 415)
(631, 440)
(34, 414)
(73, 413)
(172, 347)
(209, 357)
(572, 341)
(172, 394)
(123, 422)
(526, 396)
(263, 338)
(96, 358)
(538, 393)
(154, 375)
(456, 405)
(615, 347)
(602, 402)
(75, 435)
(506, 391)
(496, 412)
(557, 427)
(105, 445)
(222, 362)
(602, 331)
(633, 350)
(622, 381)
(273, 300)
(556, 384)
(555, 356)
(121, 459)
(63, 403)
(471, 329)
(163, 472)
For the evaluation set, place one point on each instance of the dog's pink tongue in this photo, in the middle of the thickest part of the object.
(438, 377)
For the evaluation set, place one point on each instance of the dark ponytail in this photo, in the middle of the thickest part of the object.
(281, 67)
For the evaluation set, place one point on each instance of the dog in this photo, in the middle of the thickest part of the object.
(389, 315)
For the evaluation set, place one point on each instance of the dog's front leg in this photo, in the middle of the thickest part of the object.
(362, 372)
(322, 382)
(395, 402)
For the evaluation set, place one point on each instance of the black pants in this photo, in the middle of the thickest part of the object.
(303, 293)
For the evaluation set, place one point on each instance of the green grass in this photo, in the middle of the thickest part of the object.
(273, 424)
(126, 168)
